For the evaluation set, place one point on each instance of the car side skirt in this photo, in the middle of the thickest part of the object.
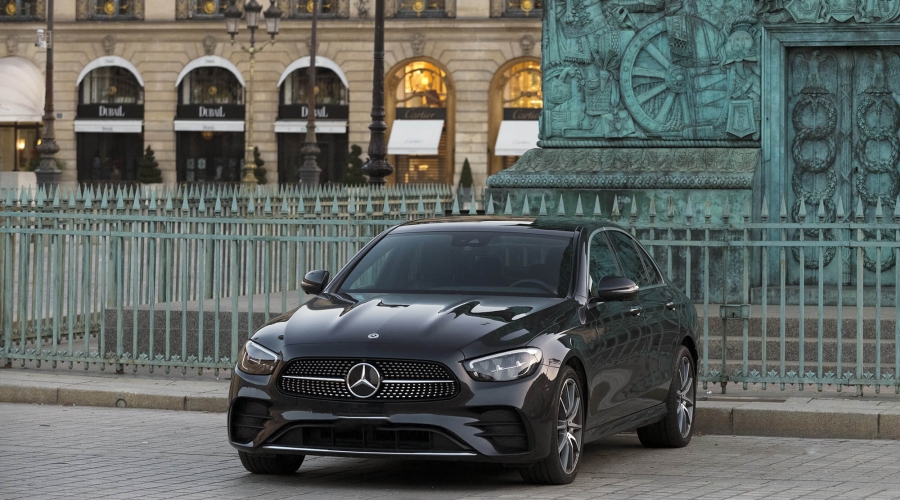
(644, 417)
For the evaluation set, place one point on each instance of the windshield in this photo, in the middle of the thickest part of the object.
(465, 263)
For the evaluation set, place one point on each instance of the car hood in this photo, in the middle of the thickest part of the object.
(474, 325)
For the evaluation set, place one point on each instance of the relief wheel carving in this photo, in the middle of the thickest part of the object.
(665, 94)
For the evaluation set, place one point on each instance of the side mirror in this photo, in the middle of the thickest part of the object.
(314, 281)
(614, 288)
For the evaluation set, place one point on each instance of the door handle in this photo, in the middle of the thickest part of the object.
(671, 305)
(636, 310)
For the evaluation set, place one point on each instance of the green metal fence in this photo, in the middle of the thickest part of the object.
(180, 279)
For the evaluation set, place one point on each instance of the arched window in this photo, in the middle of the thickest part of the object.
(111, 85)
(515, 106)
(423, 86)
(211, 85)
(329, 88)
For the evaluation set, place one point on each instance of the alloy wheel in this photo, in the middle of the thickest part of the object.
(686, 395)
(569, 423)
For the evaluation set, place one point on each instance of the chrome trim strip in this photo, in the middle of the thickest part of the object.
(417, 381)
(386, 453)
(317, 379)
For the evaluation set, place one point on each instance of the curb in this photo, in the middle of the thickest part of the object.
(66, 396)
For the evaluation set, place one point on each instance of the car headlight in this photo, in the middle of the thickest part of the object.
(510, 365)
(257, 360)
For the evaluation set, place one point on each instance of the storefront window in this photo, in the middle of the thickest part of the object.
(423, 86)
(421, 8)
(19, 10)
(329, 88)
(211, 85)
(18, 147)
(113, 9)
(301, 9)
(111, 85)
(523, 87)
(524, 8)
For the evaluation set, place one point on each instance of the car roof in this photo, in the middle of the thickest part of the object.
(504, 223)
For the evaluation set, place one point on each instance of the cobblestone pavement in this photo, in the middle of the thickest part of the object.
(80, 452)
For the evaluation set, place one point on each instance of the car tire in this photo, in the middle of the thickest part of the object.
(280, 465)
(561, 465)
(677, 427)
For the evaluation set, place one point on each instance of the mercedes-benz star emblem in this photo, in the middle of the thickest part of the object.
(363, 380)
(373, 335)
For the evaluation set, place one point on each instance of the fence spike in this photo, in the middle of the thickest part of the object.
(526, 209)
(420, 208)
(634, 210)
(201, 205)
(284, 204)
(216, 209)
(9, 198)
(507, 210)
(561, 208)
(801, 213)
(169, 207)
(39, 200)
(267, 206)
(598, 212)
(335, 208)
(860, 211)
(318, 207)
(234, 205)
(689, 211)
(879, 211)
(386, 207)
(652, 211)
(301, 204)
(185, 208)
(88, 198)
(369, 208)
(764, 210)
(136, 203)
(473, 208)
(438, 209)
(403, 210)
(783, 212)
(489, 209)
(79, 194)
(579, 209)
(56, 197)
(543, 208)
(455, 209)
(615, 208)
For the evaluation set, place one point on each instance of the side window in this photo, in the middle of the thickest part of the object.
(653, 275)
(629, 258)
(602, 263)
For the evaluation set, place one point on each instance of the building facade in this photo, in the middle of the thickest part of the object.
(463, 81)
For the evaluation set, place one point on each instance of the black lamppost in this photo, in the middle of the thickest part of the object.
(232, 25)
(47, 174)
(377, 166)
(309, 171)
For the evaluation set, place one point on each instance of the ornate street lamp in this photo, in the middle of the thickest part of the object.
(232, 26)
(47, 174)
(377, 166)
(309, 171)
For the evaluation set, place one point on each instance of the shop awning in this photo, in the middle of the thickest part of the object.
(21, 91)
(415, 137)
(209, 126)
(516, 137)
(322, 127)
(109, 126)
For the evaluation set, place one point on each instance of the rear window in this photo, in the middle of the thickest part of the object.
(474, 262)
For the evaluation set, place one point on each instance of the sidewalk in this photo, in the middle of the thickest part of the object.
(754, 412)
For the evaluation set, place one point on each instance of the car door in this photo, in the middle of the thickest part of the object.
(646, 334)
(614, 334)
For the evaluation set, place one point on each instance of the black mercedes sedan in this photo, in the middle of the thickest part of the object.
(512, 340)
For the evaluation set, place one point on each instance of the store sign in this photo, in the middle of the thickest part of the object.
(111, 111)
(522, 114)
(210, 112)
(421, 114)
(323, 111)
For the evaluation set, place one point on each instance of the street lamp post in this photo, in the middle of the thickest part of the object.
(232, 25)
(377, 166)
(309, 171)
(47, 174)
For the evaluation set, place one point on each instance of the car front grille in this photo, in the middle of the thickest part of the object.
(401, 380)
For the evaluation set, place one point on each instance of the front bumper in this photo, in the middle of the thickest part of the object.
(473, 425)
